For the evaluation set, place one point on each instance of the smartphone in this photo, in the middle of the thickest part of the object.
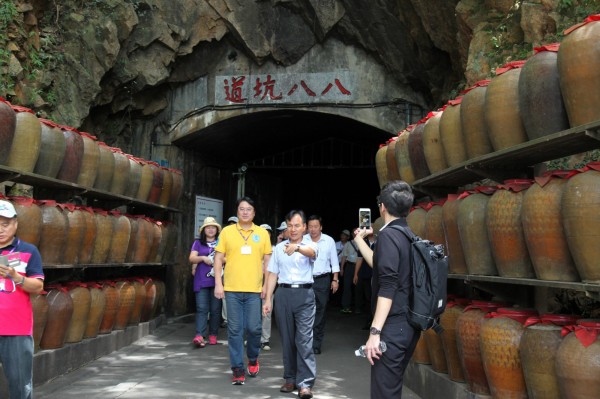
(364, 218)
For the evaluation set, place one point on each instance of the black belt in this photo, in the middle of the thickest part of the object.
(295, 285)
(321, 275)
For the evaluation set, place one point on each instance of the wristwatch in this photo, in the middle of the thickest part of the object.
(297, 248)
(375, 331)
(335, 281)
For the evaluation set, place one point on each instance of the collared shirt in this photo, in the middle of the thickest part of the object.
(350, 253)
(295, 268)
(327, 259)
(16, 314)
(244, 272)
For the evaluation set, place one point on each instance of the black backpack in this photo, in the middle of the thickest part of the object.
(429, 275)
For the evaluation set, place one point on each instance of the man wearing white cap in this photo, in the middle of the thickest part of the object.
(21, 274)
(283, 232)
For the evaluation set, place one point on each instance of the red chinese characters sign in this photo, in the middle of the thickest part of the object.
(263, 89)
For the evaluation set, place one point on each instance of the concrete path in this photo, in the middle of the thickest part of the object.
(164, 364)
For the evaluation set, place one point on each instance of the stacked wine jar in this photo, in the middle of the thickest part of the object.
(546, 228)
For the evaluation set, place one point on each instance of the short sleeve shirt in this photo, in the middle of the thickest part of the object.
(349, 252)
(16, 314)
(243, 268)
(295, 268)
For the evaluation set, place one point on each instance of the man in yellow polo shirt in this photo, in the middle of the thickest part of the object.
(247, 248)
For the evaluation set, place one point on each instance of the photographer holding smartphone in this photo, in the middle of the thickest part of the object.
(21, 274)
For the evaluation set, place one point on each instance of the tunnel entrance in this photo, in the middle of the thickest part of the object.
(321, 163)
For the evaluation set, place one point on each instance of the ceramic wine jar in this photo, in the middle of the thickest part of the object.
(90, 161)
(29, 215)
(52, 150)
(472, 117)
(577, 365)
(381, 165)
(416, 153)
(71, 165)
(113, 300)
(26, 142)
(500, 339)
(580, 210)
(55, 225)
(579, 71)
(540, 100)
(8, 123)
(402, 158)
(505, 230)
(474, 233)
(82, 300)
(448, 321)
(543, 229)
(60, 310)
(89, 238)
(451, 133)
(502, 116)
(390, 159)
(454, 249)
(538, 347)
(106, 168)
(97, 309)
(468, 328)
(432, 144)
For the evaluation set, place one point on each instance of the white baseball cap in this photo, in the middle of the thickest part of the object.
(282, 226)
(7, 209)
(266, 227)
(233, 219)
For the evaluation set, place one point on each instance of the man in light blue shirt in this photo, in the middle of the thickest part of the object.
(291, 269)
(325, 266)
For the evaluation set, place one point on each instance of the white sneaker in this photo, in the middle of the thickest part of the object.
(265, 346)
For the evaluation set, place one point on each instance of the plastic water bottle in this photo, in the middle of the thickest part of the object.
(360, 352)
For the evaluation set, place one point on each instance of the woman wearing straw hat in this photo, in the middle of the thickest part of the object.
(202, 258)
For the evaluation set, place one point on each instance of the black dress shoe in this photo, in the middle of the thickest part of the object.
(305, 393)
(317, 351)
(287, 387)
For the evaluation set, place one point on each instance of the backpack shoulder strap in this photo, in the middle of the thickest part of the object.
(409, 234)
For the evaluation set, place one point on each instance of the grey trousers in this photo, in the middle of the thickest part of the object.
(322, 288)
(295, 315)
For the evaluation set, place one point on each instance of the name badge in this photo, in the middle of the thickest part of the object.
(246, 250)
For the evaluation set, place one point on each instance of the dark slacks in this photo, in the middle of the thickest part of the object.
(322, 288)
(295, 315)
(388, 372)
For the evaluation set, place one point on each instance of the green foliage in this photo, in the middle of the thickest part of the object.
(571, 162)
(8, 12)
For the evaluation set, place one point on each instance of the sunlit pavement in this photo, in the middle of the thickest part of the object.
(164, 364)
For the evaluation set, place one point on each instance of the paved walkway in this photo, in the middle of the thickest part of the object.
(165, 365)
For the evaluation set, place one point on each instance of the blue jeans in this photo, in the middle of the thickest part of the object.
(16, 356)
(243, 318)
(207, 303)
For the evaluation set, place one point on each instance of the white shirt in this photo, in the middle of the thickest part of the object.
(295, 268)
(327, 260)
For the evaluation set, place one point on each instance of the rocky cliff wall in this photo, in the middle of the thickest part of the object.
(103, 65)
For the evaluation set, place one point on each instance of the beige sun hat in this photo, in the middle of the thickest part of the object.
(210, 221)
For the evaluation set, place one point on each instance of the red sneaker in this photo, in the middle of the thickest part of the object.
(238, 377)
(212, 339)
(253, 368)
(199, 341)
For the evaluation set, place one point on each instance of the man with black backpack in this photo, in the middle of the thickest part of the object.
(391, 286)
